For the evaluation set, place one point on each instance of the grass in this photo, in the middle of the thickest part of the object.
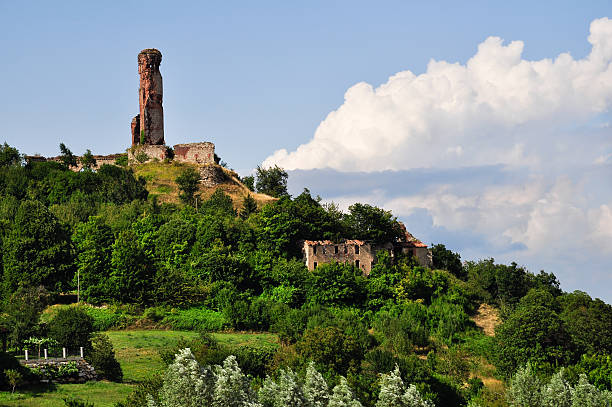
(138, 351)
(161, 176)
(103, 394)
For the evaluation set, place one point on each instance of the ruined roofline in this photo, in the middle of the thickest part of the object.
(411, 243)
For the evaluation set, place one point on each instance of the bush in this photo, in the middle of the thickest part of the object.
(8, 362)
(72, 328)
(102, 358)
(104, 319)
(196, 319)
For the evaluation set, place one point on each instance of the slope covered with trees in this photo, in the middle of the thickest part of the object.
(234, 265)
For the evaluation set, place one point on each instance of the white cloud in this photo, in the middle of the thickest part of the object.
(496, 109)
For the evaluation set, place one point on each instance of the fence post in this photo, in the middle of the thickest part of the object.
(81, 352)
(63, 353)
(26, 355)
(45, 353)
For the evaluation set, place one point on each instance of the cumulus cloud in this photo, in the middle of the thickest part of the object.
(498, 108)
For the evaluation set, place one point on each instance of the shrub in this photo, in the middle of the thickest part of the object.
(72, 328)
(196, 319)
(13, 377)
(102, 358)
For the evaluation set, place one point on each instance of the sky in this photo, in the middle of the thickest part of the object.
(482, 125)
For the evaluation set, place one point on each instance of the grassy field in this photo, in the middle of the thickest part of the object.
(102, 394)
(137, 352)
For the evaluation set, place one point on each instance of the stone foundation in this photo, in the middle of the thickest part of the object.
(145, 153)
(195, 153)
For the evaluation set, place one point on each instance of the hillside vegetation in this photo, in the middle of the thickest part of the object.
(475, 332)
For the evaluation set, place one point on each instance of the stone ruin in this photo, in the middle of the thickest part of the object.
(147, 128)
(148, 125)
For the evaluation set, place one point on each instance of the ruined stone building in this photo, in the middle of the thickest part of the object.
(362, 254)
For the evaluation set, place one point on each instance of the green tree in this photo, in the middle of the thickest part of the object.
(447, 260)
(9, 156)
(88, 160)
(330, 347)
(72, 328)
(249, 182)
(532, 334)
(525, 389)
(23, 312)
(14, 378)
(102, 358)
(249, 206)
(37, 250)
(367, 222)
(187, 183)
(93, 242)
(66, 156)
(271, 181)
(130, 272)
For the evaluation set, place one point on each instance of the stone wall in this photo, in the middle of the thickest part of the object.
(195, 153)
(86, 371)
(145, 153)
(100, 160)
(357, 252)
(212, 175)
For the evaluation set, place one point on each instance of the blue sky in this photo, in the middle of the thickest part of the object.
(498, 149)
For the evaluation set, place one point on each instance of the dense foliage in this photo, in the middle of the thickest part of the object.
(212, 267)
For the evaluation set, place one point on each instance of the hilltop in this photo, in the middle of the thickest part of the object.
(160, 177)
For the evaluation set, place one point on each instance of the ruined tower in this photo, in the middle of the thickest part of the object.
(148, 126)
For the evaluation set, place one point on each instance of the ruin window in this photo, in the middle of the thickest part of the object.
(335, 249)
(345, 249)
(356, 249)
(323, 249)
(314, 249)
(315, 265)
(357, 263)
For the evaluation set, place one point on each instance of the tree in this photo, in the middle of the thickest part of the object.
(102, 358)
(88, 160)
(37, 250)
(342, 396)
(187, 183)
(231, 386)
(249, 182)
(316, 391)
(249, 206)
(186, 383)
(93, 241)
(445, 259)
(130, 273)
(66, 156)
(14, 378)
(524, 389)
(532, 334)
(72, 328)
(558, 392)
(23, 311)
(367, 222)
(272, 181)
(9, 156)
(393, 392)
(330, 347)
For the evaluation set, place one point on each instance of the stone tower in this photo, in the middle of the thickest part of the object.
(148, 126)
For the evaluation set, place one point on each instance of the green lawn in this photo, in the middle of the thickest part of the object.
(103, 394)
(137, 352)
